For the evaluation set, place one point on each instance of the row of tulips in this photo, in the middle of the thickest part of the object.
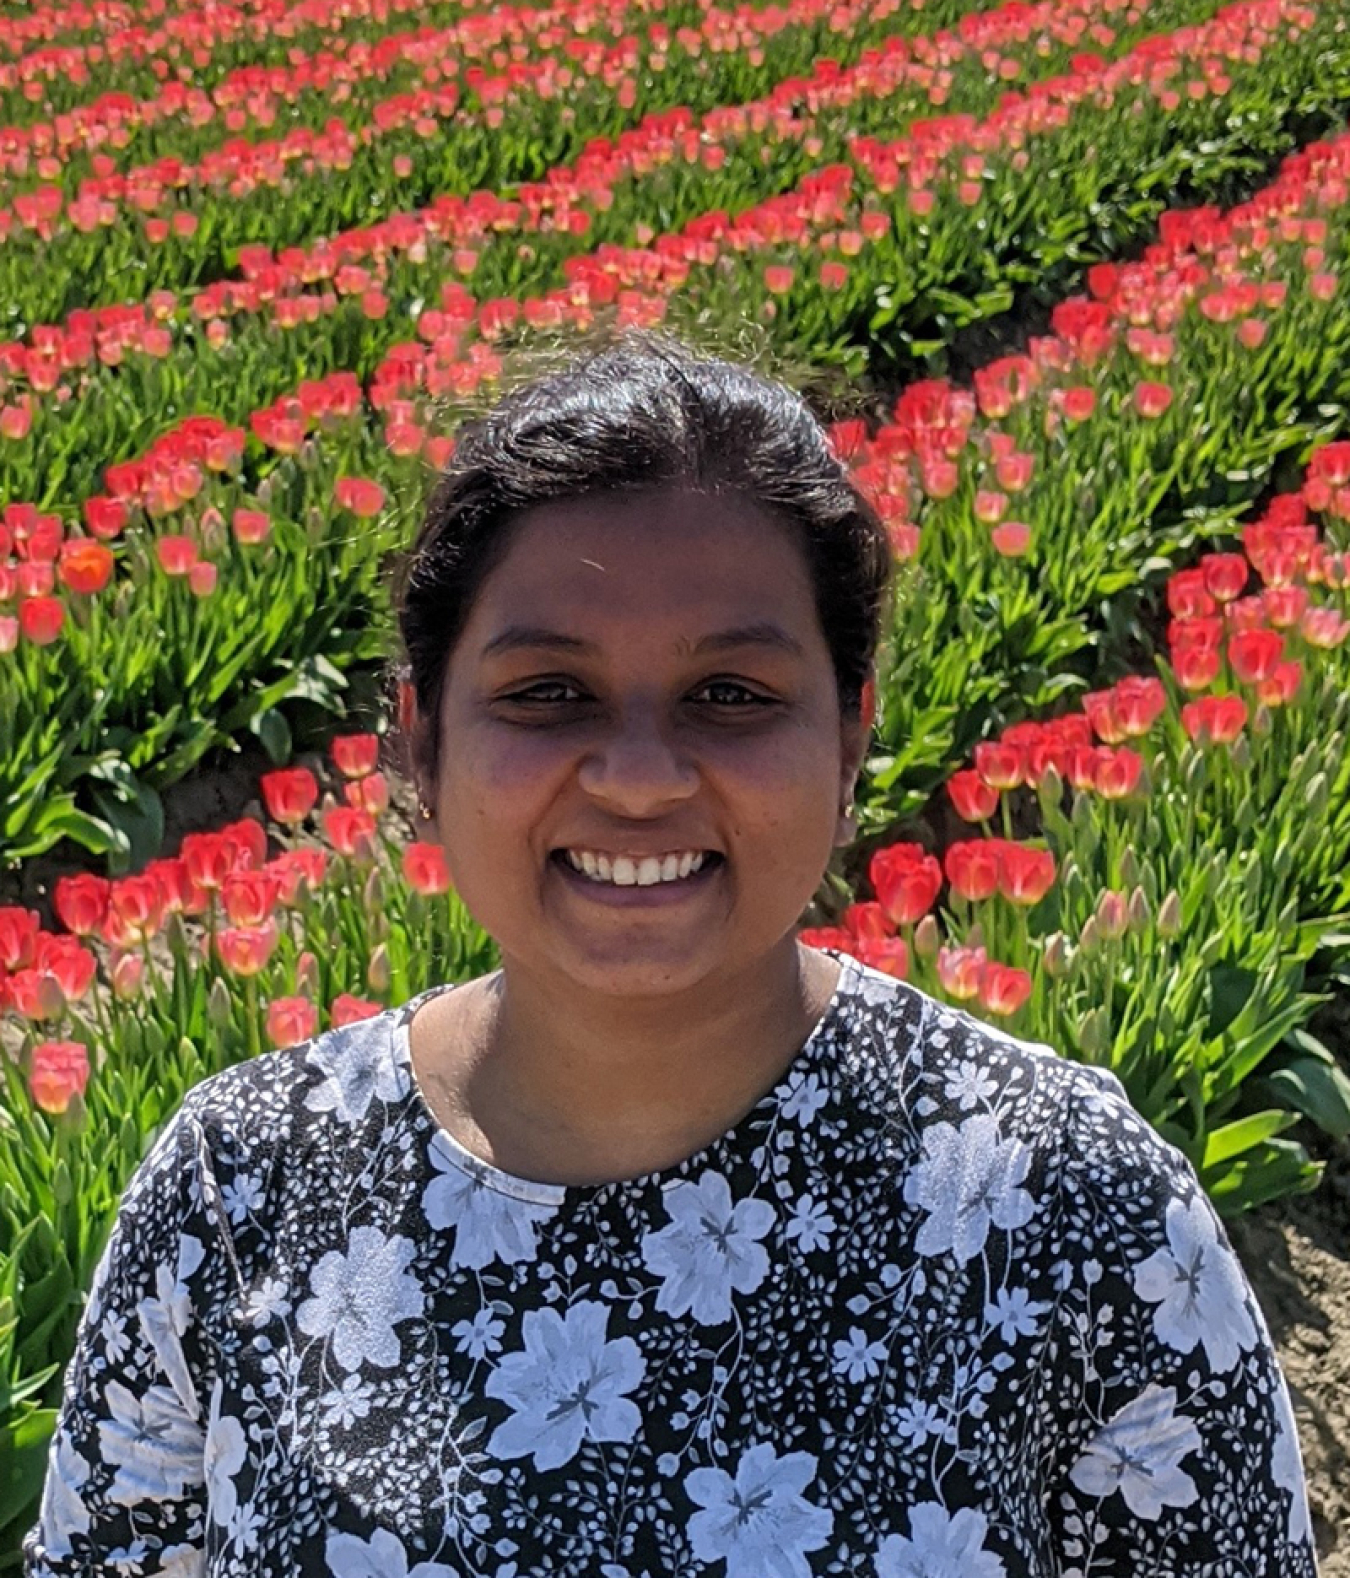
(187, 222)
(1160, 926)
(1018, 627)
(118, 739)
(170, 351)
(396, 76)
(198, 43)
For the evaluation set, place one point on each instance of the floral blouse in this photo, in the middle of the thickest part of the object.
(941, 1305)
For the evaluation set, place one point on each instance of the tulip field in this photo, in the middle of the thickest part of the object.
(256, 262)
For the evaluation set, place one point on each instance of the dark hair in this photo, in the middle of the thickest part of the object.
(641, 412)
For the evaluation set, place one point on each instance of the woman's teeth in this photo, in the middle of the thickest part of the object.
(625, 872)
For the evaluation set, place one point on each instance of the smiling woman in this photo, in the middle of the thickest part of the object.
(673, 1246)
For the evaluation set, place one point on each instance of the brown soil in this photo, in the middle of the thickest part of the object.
(1297, 1255)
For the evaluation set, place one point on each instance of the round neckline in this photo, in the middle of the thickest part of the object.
(535, 1192)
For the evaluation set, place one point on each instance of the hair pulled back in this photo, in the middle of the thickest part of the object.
(642, 412)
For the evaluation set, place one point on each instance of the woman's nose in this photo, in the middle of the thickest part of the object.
(637, 763)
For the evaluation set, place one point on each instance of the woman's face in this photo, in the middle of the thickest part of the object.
(642, 677)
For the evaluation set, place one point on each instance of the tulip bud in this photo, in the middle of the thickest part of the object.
(1093, 1036)
(1081, 815)
(1262, 722)
(1253, 883)
(1050, 789)
(315, 525)
(1129, 868)
(51, 1000)
(126, 976)
(1283, 859)
(175, 933)
(1245, 818)
(1140, 911)
(1317, 796)
(374, 892)
(219, 1003)
(1153, 833)
(1056, 958)
(1240, 752)
(1089, 939)
(308, 455)
(1196, 773)
(73, 1118)
(307, 975)
(1287, 919)
(378, 974)
(927, 938)
(303, 893)
(974, 937)
(264, 492)
(1111, 916)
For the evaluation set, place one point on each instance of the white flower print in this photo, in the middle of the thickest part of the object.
(358, 1298)
(968, 1085)
(158, 1451)
(806, 1095)
(968, 1178)
(382, 1556)
(810, 1225)
(226, 1451)
(567, 1384)
(481, 1336)
(710, 1249)
(1139, 1453)
(1015, 1313)
(65, 1511)
(116, 1342)
(759, 1522)
(915, 1422)
(353, 1078)
(241, 1195)
(940, 1545)
(269, 1298)
(1286, 1466)
(488, 1224)
(350, 1402)
(1198, 1286)
(856, 1357)
(165, 1318)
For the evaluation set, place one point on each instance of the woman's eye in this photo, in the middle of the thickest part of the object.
(740, 695)
(533, 691)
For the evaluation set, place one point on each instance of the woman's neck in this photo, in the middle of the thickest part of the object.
(590, 1089)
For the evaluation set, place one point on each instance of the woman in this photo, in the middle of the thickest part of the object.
(672, 1246)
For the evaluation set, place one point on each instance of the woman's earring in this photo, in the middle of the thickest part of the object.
(425, 809)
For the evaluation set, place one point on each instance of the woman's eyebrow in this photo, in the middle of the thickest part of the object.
(763, 634)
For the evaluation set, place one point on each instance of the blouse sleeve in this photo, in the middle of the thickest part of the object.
(1180, 1454)
(125, 1489)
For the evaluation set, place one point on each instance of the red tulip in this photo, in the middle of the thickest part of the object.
(1282, 686)
(105, 517)
(351, 831)
(135, 910)
(85, 566)
(246, 950)
(347, 1010)
(425, 868)
(355, 755)
(1151, 400)
(41, 619)
(890, 955)
(1012, 539)
(906, 881)
(249, 897)
(1117, 774)
(867, 920)
(972, 868)
(1215, 719)
(19, 930)
(974, 799)
(1225, 575)
(176, 554)
(1002, 766)
(361, 496)
(290, 794)
(1187, 595)
(82, 902)
(291, 1020)
(60, 1071)
(251, 526)
(370, 793)
(1004, 988)
(209, 858)
(1254, 654)
(961, 971)
(1025, 875)
(308, 861)
(1324, 628)
(778, 278)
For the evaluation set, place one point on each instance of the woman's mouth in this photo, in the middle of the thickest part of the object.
(638, 881)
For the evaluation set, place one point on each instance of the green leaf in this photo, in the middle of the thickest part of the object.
(1320, 1091)
(1232, 1139)
(1230, 986)
(275, 733)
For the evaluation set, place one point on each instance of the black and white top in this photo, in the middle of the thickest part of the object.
(940, 1306)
